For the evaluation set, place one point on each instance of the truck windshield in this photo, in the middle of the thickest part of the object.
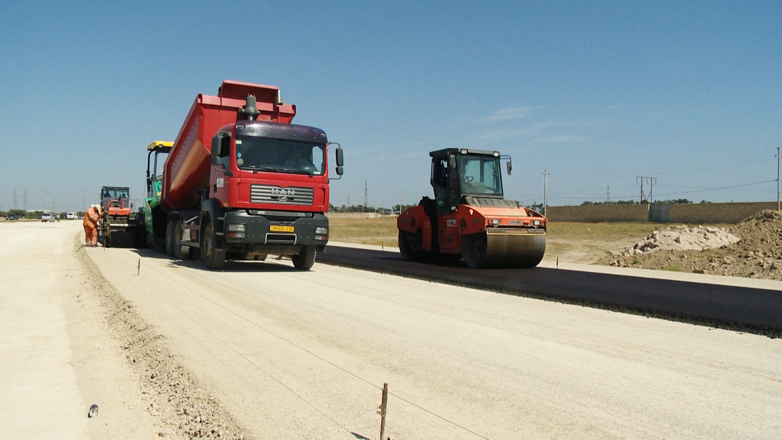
(280, 155)
(480, 175)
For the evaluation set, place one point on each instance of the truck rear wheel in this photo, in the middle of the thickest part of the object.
(180, 252)
(170, 238)
(212, 258)
(305, 259)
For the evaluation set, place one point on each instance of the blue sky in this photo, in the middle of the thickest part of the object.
(596, 93)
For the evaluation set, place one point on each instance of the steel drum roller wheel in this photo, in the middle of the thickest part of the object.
(503, 250)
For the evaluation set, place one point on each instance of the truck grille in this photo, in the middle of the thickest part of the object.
(281, 196)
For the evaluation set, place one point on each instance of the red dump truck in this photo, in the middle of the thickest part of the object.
(240, 181)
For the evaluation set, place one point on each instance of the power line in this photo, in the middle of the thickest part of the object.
(720, 188)
(728, 162)
(545, 184)
(778, 179)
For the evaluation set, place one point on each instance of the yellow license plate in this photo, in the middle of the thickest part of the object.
(280, 228)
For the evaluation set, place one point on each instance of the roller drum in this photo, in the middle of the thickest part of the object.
(504, 248)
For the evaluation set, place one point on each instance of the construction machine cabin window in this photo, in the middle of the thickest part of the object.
(280, 155)
(115, 193)
(480, 175)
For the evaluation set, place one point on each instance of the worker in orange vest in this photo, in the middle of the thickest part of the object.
(91, 219)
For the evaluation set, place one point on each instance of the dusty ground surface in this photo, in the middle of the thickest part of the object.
(757, 254)
(69, 341)
(57, 356)
(264, 351)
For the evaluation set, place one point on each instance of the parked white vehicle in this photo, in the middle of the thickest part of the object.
(70, 216)
(47, 217)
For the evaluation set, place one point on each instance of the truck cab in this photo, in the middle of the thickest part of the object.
(241, 181)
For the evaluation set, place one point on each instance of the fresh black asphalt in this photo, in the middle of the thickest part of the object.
(736, 308)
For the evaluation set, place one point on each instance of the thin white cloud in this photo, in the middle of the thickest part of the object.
(504, 133)
(542, 132)
(560, 139)
(507, 114)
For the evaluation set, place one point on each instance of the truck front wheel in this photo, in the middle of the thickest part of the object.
(305, 259)
(213, 259)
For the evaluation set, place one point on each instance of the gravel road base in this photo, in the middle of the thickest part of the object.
(183, 407)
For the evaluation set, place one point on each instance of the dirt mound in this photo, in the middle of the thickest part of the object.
(757, 252)
(681, 238)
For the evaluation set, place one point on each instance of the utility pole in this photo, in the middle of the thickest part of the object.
(778, 180)
(608, 192)
(651, 181)
(366, 195)
(545, 188)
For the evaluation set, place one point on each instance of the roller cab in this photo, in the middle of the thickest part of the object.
(469, 218)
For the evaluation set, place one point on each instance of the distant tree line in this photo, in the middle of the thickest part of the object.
(395, 209)
(634, 202)
(33, 215)
(361, 208)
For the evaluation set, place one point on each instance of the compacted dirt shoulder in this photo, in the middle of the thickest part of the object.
(182, 407)
(756, 254)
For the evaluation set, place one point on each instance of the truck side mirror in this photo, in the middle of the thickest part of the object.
(216, 150)
(451, 161)
(340, 160)
(509, 167)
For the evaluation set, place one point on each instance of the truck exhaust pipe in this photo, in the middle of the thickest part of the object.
(249, 110)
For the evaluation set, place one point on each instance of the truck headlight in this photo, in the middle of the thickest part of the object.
(321, 233)
(495, 222)
(236, 227)
(536, 222)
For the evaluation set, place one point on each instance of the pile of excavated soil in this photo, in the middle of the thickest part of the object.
(682, 238)
(753, 249)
